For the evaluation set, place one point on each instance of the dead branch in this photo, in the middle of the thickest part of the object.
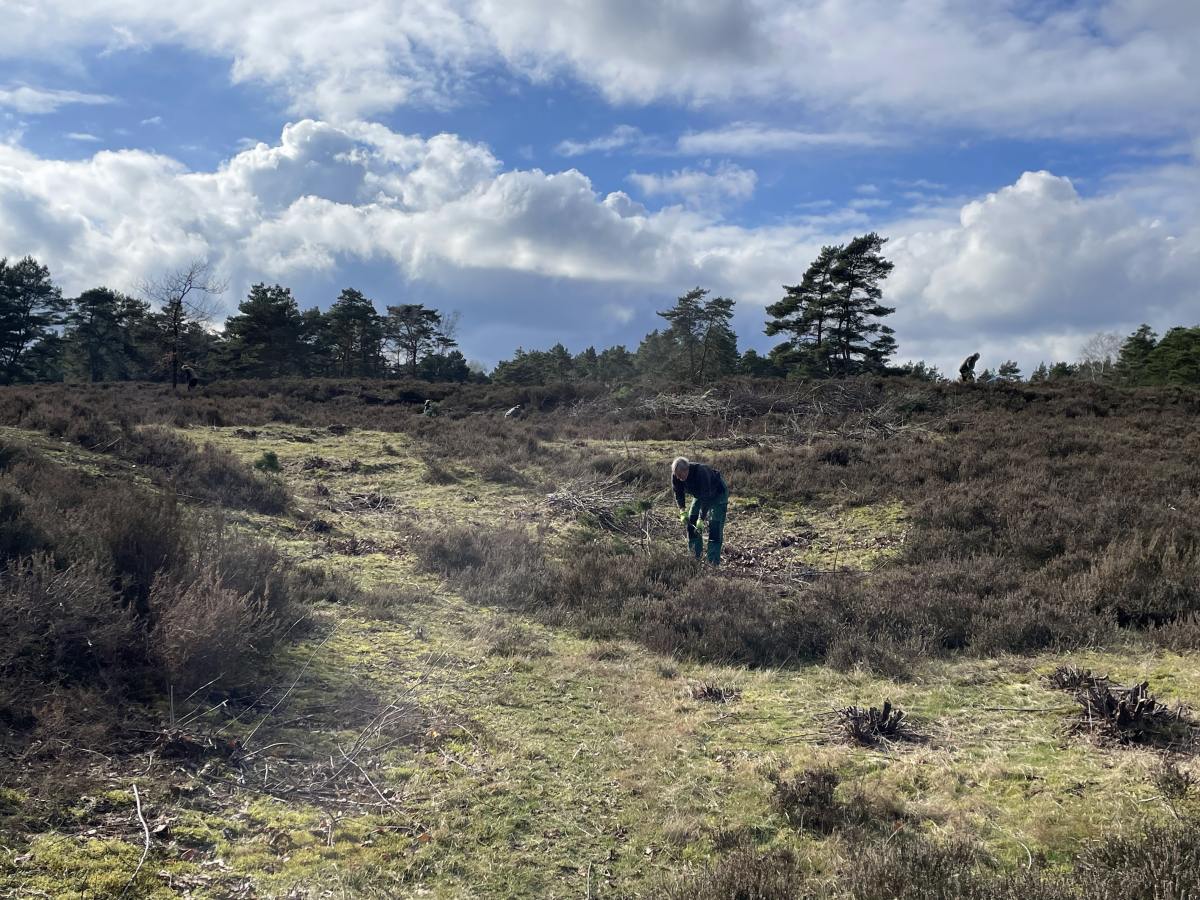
(137, 799)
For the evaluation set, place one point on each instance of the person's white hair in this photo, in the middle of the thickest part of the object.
(679, 465)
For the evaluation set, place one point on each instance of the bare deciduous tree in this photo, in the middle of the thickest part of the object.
(184, 295)
(1099, 354)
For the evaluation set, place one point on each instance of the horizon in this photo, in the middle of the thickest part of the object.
(560, 172)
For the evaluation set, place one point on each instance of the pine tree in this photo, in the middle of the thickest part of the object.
(860, 343)
(414, 331)
(1134, 354)
(30, 306)
(93, 334)
(316, 336)
(616, 364)
(1175, 359)
(922, 371)
(833, 315)
(537, 366)
(804, 313)
(141, 340)
(1008, 371)
(450, 366)
(700, 342)
(266, 337)
(754, 364)
(355, 334)
(587, 364)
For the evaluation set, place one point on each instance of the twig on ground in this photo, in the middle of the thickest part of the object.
(137, 799)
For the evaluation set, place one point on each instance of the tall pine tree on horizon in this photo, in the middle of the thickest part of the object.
(833, 315)
(804, 313)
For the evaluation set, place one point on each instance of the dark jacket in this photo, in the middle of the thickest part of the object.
(702, 482)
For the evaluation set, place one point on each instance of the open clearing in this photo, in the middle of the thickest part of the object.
(424, 745)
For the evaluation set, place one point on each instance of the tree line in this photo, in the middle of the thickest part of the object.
(832, 325)
(1140, 359)
(106, 335)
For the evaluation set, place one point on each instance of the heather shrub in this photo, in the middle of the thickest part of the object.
(663, 599)
(1156, 864)
(743, 874)
(205, 473)
(267, 462)
(919, 869)
(204, 630)
(63, 624)
(810, 801)
(1161, 862)
(1145, 579)
(731, 621)
(108, 588)
(140, 534)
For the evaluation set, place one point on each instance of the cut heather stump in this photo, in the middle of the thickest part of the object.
(1127, 715)
(871, 726)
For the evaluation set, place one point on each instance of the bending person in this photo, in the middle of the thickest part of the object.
(966, 372)
(710, 502)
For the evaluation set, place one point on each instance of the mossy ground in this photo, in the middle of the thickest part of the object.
(536, 763)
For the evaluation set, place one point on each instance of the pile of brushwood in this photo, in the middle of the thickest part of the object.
(1127, 714)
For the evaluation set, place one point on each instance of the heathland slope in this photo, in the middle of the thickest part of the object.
(361, 652)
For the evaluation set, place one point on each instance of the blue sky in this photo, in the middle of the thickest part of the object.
(559, 170)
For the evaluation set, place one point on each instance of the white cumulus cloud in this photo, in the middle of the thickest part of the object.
(1104, 66)
(1030, 268)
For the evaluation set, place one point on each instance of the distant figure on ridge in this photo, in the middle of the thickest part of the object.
(189, 376)
(514, 413)
(966, 372)
(711, 501)
(429, 409)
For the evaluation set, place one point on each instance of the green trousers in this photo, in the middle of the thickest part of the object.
(714, 510)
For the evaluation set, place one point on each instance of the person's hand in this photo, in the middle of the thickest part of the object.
(683, 517)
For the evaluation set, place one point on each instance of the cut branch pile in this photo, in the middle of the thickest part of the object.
(848, 410)
(872, 726)
(610, 505)
(711, 692)
(367, 501)
(1128, 715)
(593, 408)
(688, 404)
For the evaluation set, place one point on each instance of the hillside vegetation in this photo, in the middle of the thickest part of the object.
(293, 638)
